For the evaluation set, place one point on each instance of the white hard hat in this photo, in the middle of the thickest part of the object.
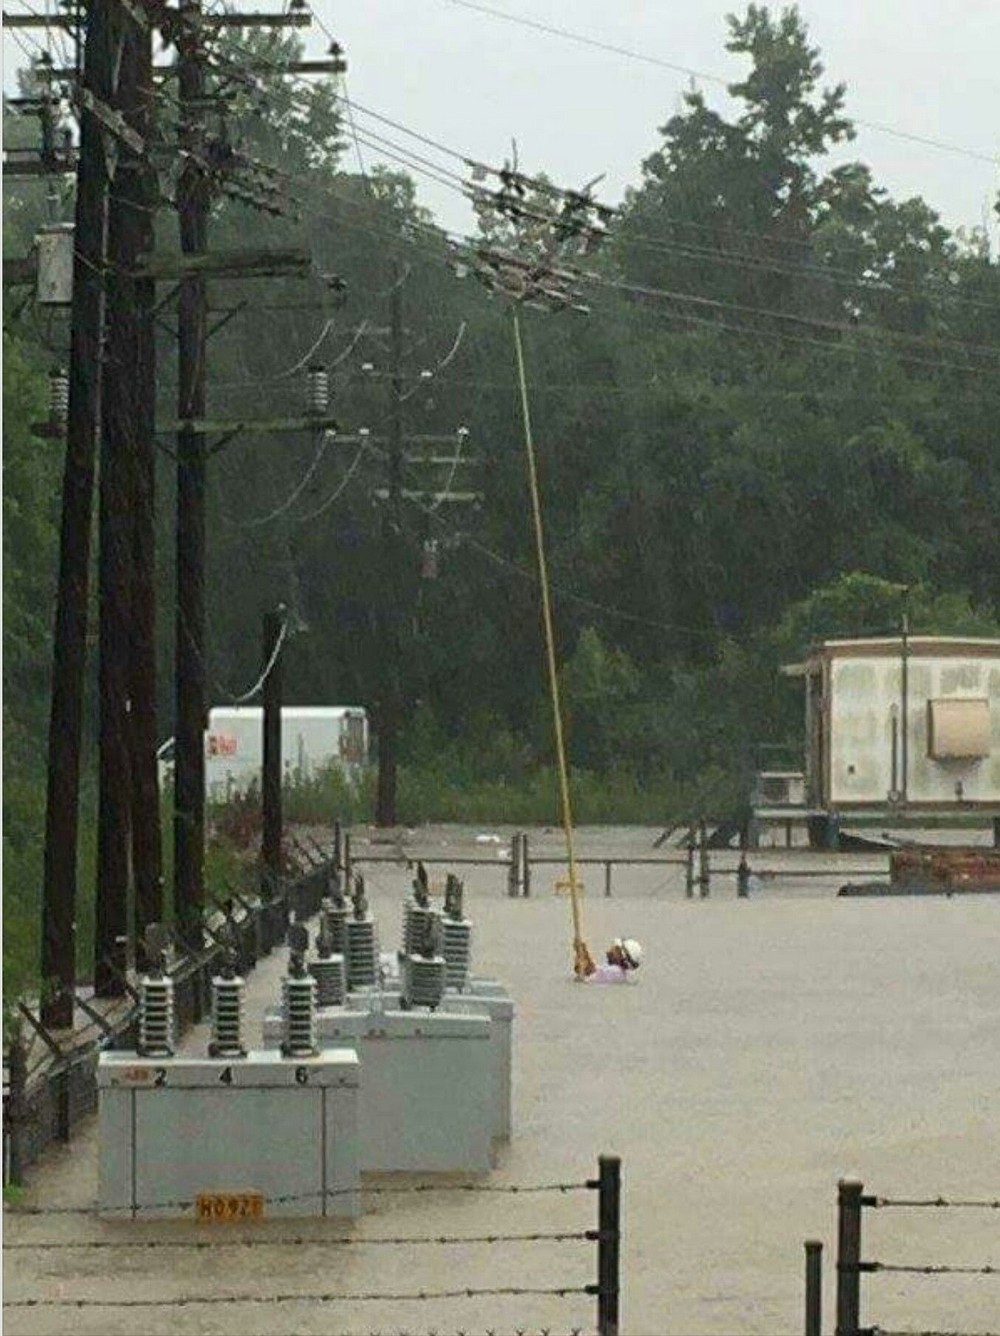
(631, 950)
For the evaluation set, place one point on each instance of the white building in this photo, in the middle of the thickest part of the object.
(894, 725)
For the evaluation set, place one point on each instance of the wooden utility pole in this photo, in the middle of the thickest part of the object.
(189, 773)
(392, 611)
(119, 405)
(147, 869)
(274, 629)
(59, 889)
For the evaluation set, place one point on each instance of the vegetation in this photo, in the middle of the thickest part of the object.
(779, 417)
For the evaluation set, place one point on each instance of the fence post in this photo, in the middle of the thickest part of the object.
(14, 1119)
(348, 864)
(609, 1169)
(848, 1257)
(513, 869)
(743, 877)
(525, 866)
(814, 1288)
(607, 879)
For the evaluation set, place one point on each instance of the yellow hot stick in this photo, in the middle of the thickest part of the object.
(581, 956)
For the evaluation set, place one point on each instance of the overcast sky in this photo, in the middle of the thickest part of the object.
(923, 66)
(926, 67)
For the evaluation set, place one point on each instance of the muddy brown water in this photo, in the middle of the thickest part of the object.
(768, 1047)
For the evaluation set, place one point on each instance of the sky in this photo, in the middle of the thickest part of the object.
(475, 82)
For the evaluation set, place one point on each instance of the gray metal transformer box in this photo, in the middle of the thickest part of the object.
(281, 1129)
(427, 1096)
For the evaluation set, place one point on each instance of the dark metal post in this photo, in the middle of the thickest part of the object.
(525, 866)
(689, 866)
(512, 867)
(607, 879)
(271, 774)
(743, 877)
(59, 886)
(814, 1288)
(608, 1243)
(14, 1113)
(848, 1257)
(348, 864)
(704, 869)
(190, 647)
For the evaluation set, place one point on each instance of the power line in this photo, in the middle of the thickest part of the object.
(644, 57)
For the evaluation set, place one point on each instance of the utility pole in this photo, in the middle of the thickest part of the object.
(118, 478)
(59, 888)
(274, 630)
(192, 204)
(393, 550)
(147, 870)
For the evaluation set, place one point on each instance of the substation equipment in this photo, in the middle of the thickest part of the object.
(372, 1061)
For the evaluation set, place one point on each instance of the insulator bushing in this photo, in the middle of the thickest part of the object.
(362, 954)
(457, 950)
(298, 1014)
(335, 922)
(227, 1018)
(317, 390)
(330, 974)
(59, 397)
(418, 924)
(156, 1017)
(424, 981)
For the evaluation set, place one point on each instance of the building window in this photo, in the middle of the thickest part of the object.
(958, 729)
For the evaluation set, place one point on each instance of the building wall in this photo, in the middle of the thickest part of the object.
(861, 696)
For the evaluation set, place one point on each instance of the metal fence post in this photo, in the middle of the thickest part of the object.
(513, 877)
(704, 870)
(743, 877)
(525, 867)
(814, 1288)
(14, 1113)
(348, 865)
(689, 865)
(607, 879)
(608, 1243)
(849, 1192)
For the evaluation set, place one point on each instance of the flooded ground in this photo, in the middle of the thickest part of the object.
(770, 1046)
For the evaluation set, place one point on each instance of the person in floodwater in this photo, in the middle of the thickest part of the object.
(623, 958)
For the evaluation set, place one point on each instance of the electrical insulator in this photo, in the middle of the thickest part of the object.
(156, 1017)
(59, 398)
(330, 973)
(424, 980)
(227, 1018)
(418, 926)
(362, 954)
(317, 390)
(298, 1014)
(457, 948)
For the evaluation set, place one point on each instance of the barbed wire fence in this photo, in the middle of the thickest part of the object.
(851, 1266)
(604, 1290)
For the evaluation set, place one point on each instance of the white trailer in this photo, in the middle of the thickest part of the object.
(313, 738)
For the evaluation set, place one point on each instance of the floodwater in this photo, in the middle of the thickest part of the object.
(768, 1047)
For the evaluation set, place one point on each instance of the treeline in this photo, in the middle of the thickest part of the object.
(778, 417)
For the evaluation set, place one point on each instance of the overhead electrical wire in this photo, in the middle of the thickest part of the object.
(644, 57)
